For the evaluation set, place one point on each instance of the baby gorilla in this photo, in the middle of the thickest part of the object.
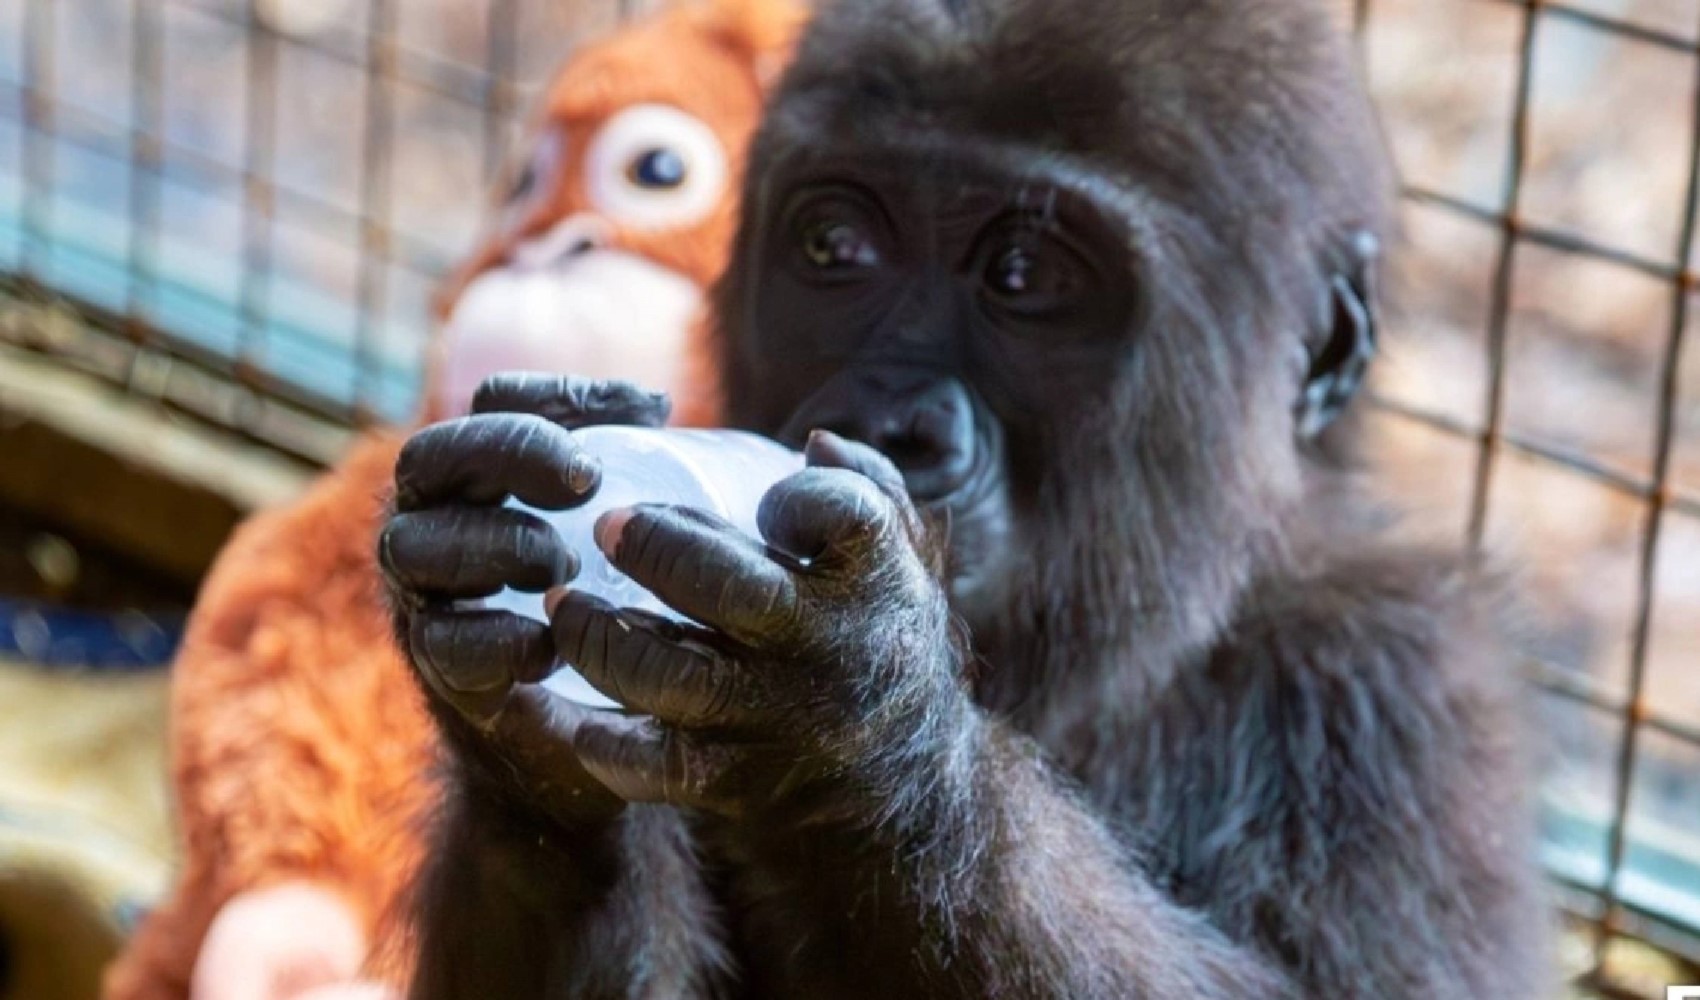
(1086, 673)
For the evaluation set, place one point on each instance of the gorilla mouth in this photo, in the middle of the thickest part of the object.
(948, 447)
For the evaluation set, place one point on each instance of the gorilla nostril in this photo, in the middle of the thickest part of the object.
(845, 428)
(932, 451)
(923, 423)
(937, 476)
(907, 453)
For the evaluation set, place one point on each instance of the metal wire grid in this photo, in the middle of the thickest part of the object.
(236, 388)
(143, 355)
(1658, 492)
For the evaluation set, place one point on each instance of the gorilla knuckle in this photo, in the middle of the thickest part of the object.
(649, 539)
(534, 392)
(571, 401)
(719, 686)
(410, 544)
(500, 392)
(828, 508)
(392, 549)
(601, 394)
(543, 560)
(591, 635)
(465, 660)
(422, 448)
(764, 602)
(574, 629)
(695, 770)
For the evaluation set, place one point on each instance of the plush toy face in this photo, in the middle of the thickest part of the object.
(619, 216)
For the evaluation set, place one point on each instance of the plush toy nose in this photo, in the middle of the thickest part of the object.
(572, 237)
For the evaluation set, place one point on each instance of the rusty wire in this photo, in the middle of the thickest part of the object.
(1659, 495)
(493, 90)
(265, 407)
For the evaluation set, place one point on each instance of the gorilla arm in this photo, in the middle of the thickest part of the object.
(1005, 884)
(1349, 770)
(521, 906)
(541, 883)
(930, 851)
(863, 795)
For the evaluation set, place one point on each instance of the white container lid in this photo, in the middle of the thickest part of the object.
(724, 472)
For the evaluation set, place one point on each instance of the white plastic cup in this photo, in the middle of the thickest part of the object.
(723, 472)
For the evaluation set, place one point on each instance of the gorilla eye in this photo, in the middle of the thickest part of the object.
(1030, 277)
(659, 169)
(835, 245)
(1012, 273)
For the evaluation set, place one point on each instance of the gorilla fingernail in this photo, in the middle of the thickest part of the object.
(610, 527)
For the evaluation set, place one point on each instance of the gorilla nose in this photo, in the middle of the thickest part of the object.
(923, 422)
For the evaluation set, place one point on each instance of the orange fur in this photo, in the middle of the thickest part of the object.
(299, 741)
(712, 61)
(301, 750)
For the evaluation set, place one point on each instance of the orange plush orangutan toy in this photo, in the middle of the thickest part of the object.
(302, 757)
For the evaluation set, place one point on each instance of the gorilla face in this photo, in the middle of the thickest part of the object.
(939, 310)
(1095, 309)
(1095, 275)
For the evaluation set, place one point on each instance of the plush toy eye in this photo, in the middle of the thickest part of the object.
(658, 170)
(655, 167)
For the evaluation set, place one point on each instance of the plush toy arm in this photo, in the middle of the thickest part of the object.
(157, 961)
(300, 749)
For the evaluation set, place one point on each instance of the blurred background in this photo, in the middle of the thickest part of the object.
(222, 221)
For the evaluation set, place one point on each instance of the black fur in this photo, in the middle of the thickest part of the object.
(1189, 726)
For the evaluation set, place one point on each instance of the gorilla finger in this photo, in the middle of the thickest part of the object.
(642, 760)
(702, 567)
(536, 731)
(571, 401)
(648, 665)
(476, 652)
(828, 515)
(483, 458)
(480, 708)
(473, 552)
(826, 450)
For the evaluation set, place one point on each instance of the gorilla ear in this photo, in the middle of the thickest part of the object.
(1337, 365)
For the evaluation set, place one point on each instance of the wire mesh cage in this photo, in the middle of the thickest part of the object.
(255, 199)
(245, 205)
(1550, 153)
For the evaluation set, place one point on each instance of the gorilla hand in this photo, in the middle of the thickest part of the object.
(827, 678)
(449, 538)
